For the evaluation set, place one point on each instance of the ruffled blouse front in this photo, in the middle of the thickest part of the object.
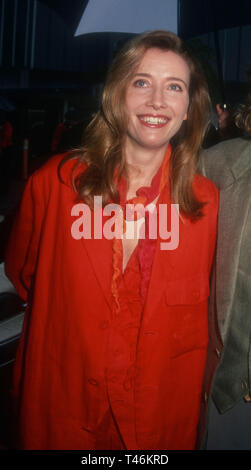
(141, 260)
(129, 289)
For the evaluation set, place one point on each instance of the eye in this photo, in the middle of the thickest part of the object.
(175, 87)
(141, 83)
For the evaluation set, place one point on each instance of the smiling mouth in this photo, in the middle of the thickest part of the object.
(153, 121)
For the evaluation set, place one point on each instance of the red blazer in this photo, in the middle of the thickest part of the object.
(60, 381)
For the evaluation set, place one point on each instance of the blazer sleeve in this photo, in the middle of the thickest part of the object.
(23, 244)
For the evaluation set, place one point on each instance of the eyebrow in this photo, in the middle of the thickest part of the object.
(148, 75)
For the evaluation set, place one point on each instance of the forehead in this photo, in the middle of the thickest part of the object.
(164, 63)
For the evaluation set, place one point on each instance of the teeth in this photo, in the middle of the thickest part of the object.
(153, 120)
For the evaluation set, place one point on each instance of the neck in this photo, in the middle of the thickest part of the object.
(141, 167)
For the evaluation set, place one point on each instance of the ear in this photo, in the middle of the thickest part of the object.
(185, 117)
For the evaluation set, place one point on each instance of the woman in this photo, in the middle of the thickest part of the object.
(115, 336)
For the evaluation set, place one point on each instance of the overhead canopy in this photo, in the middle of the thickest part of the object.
(186, 17)
(70, 10)
(130, 16)
(198, 17)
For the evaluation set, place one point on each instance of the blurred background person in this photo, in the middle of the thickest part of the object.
(228, 164)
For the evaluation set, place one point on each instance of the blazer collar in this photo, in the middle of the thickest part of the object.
(241, 163)
(236, 163)
(226, 162)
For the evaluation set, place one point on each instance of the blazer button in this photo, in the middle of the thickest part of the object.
(113, 379)
(196, 295)
(117, 352)
(205, 397)
(127, 385)
(92, 381)
(104, 324)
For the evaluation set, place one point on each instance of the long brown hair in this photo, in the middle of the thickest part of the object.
(104, 137)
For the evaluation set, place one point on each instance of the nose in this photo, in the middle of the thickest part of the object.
(157, 98)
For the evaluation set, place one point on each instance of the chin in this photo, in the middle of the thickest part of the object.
(155, 145)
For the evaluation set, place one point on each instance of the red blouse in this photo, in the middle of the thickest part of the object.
(131, 289)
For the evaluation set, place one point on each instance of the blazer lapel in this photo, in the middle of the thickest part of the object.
(99, 252)
(162, 270)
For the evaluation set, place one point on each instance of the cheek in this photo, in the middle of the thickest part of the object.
(134, 99)
(128, 101)
(130, 98)
(130, 105)
(182, 109)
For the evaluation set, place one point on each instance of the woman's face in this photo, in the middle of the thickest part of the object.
(157, 100)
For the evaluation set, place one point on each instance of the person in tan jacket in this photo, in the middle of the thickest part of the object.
(228, 164)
